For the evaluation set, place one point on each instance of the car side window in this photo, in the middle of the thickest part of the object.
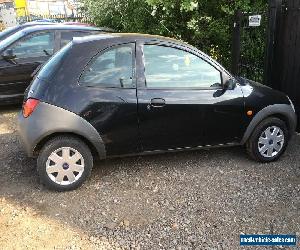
(167, 67)
(36, 45)
(112, 68)
(67, 36)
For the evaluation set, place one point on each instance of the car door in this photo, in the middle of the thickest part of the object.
(177, 92)
(109, 88)
(29, 53)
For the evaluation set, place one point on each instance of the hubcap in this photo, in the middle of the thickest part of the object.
(65, 166)
(271, 142)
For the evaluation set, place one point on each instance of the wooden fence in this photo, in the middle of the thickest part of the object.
(284, 65)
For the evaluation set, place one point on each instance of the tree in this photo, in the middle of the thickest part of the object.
(205, 24)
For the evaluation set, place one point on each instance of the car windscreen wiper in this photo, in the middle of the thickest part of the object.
(46, 52)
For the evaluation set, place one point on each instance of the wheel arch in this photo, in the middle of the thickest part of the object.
(49, 137)
(48, 121)
(282, 111)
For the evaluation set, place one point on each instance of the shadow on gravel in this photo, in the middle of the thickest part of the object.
(201, 198)
(10, 108)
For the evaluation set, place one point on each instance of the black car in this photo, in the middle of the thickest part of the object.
(12, 30)
(23, 52)
(126, 94)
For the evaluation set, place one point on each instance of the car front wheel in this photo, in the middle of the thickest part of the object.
(268, 140)
(64, 163)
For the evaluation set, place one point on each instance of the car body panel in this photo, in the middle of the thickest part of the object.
(113, 113)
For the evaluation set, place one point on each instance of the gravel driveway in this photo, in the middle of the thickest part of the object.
(192, 200)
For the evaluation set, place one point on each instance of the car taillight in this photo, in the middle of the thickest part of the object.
(29, 106)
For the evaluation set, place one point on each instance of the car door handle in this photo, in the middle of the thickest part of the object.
(157, 102)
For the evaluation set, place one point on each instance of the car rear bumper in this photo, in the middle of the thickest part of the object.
(48, 120)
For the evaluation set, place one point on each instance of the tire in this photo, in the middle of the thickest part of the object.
(265, 134)
(57, 166)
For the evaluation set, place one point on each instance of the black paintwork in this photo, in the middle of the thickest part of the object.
(125, 118)
(16, 75)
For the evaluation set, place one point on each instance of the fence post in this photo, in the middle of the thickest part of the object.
(236, 42)
(274, 14)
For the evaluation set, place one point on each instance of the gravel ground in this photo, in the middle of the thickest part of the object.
(192, 200)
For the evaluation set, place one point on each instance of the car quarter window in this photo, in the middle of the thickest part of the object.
(67, 36)
(112, 68)
(168, 67)
(35, 45)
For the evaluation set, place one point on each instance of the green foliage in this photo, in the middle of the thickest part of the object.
(206, 24)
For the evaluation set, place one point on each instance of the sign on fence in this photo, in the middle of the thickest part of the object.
(254, 21)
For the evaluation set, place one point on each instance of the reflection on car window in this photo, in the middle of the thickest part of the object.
(5, 33)
(36, 45)
(67, 36)
(167, 67)
(113, 68)
(49, 69)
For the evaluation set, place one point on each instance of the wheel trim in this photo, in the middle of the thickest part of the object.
(65, 166)
(271, 142)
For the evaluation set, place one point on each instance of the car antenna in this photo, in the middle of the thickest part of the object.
(160, 22)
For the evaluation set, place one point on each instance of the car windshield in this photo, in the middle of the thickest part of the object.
(5, 33)
(11, 39)
(51, 66)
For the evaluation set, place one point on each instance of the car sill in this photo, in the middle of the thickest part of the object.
(175, 150)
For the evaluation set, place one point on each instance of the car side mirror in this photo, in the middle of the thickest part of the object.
(230, 84)
(8, 55)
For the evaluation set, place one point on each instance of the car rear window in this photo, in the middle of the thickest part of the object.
(48, 70)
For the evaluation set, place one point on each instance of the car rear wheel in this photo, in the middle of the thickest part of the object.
(64, 163)
(268, 140)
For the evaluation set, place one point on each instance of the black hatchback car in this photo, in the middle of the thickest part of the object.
(23, 52)
(125, 94)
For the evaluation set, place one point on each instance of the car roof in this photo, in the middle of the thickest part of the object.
(126, 37)
(34, 23)
(63, 27)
